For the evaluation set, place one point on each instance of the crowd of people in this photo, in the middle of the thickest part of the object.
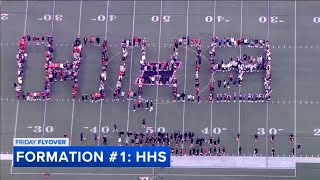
(125, 44)
(185, 143)
(172, 62)
(197, 43)
(91, 40)
(49, 68)
(244, 64)
(98, 96)
(53, 71)
(143, 44)
(155, 73)
(21, 58)
(63, 71)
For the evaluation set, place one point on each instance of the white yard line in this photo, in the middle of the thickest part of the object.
(44, 118)
(16, 122)
(80, 18)
(72, 118)
(267, 114)
(18, 101)
(213, 35)
(73, 102)
(46, 102)
(295, 81)
(105, 37)
(239, 126)
(107, 19)
(53, 13)
(160, 174)
(25, 18)
(100, 117)
(157, 90)
(185, 71)
(133, 21)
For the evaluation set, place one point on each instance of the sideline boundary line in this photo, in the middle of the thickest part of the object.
(176, 175)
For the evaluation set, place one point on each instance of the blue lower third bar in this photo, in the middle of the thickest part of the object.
(91, 156)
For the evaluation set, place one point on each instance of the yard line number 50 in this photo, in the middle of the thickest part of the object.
(150, 130)
(157, 18)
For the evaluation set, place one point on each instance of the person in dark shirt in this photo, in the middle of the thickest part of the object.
(85, 40)
(105, 140)
(98, 41)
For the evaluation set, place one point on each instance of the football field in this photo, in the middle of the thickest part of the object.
(292, 27)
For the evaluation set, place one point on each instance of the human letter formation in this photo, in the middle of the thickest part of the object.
(153, 72)
(242, 65)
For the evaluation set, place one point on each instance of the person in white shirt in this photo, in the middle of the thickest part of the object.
(119, 141)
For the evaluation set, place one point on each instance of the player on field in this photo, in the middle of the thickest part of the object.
(91, 40)
(255, 152)
(272, 152)
(272, 138)
(115, 128)
(151, 106)
(98, 41)
(85, 40)
(291, 138)
(143, 123)
(82, 138)
(105, 140)
(256, 138)
(238, 137)
(298, 148)
(292, 152)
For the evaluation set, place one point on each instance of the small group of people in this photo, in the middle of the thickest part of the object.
(183, 143)
(158, 73)
(50, 68)
(54, 71)
(250, 97)
(63, 71)
(174, 81)
(245, 64)
(21, 58)
(125, 44)
(36, 40)
(267, 77)
(77, 57)
(143, 44)
(197, 44)
(92, 40)
(240, 42)
(142, 103)
(98, 96)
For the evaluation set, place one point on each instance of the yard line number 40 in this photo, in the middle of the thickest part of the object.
(105, 129)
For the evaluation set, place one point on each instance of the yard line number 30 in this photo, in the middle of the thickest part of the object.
(57, 17)
(39, 129)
